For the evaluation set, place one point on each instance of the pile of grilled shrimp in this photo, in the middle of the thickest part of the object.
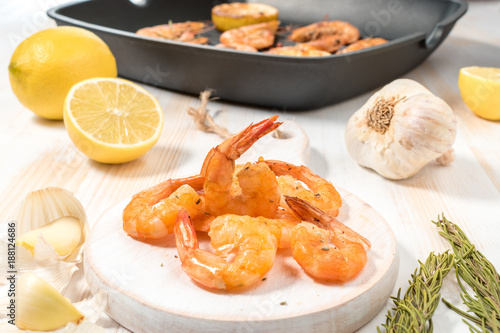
(249, 211)
(318, 39)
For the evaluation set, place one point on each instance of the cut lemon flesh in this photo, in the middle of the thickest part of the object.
(233, 15)
(480, 90)
(112, 120)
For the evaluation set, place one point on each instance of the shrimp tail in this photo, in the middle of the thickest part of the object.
(250, 135)
(236, 145)
(164, 189)
(201, 266)
(307, 212)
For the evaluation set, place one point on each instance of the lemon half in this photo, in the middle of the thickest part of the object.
(45, 66)
(233, 15)
(112, 120)
(480, 90)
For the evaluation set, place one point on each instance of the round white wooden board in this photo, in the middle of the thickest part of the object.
(149, 292)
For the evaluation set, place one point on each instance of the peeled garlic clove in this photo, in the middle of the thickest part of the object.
(64, 234)
(400, 129)
(41, 307)
(38, 214)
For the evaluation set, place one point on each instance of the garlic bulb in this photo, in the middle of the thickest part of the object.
(41, 307)
(400, 129)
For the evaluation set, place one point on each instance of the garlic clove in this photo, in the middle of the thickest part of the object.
(57, 262)
(64, 234)
(43, 207)
(41, 307)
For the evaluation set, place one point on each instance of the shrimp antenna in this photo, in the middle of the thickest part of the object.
(307, 212)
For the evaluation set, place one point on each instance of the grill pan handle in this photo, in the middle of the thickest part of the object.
(434, 37)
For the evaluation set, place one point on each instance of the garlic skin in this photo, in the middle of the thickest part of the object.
(41, 307)
(400, 129)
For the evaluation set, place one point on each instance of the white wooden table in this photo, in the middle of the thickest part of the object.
(37, 153)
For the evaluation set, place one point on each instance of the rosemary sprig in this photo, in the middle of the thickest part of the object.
(413, 313)
(475, 270)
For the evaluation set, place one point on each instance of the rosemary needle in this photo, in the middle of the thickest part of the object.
(413, 312)
(475, 270)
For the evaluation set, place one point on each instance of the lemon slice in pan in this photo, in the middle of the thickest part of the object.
(233, 15)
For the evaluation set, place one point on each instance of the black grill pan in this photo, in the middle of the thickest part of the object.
(415, 28)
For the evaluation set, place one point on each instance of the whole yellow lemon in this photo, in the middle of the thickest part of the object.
(47, 64)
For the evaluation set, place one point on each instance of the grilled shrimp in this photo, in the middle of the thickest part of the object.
(330, 43)
(348, 32)
(320, 192)
(256, 193)
(239, 47)
(325, 248)
(362, 44)
(298, 50)
(152, 213)
(245, 249)
(250, 37)
(183, 31)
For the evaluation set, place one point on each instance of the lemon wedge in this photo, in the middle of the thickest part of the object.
(233, 15)
(112, 120)
(480, 90)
